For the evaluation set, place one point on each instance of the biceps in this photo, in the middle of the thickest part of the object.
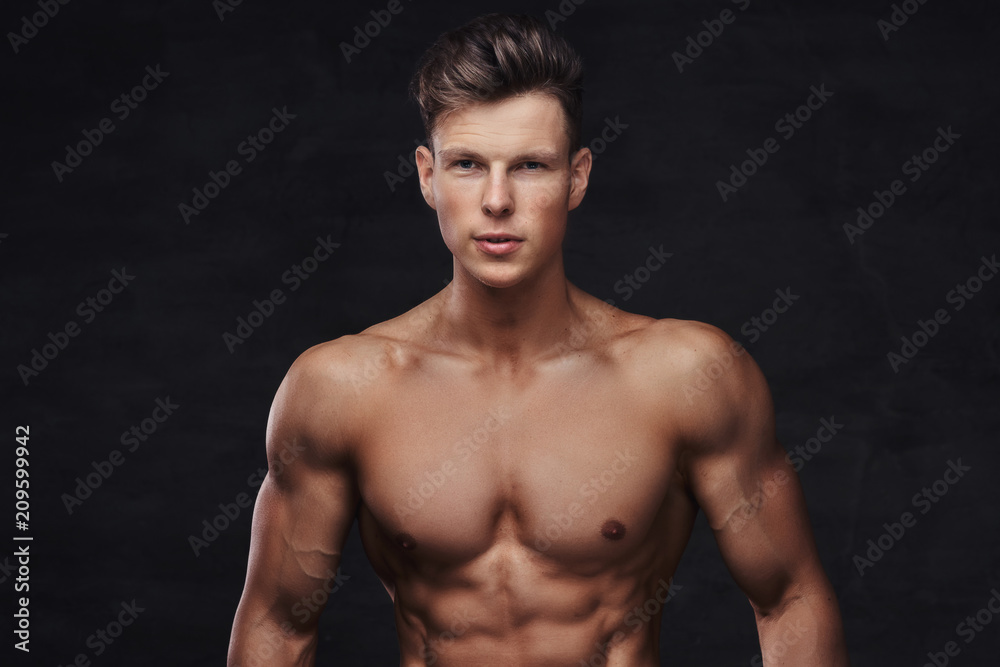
(767, 542)
(299, 529)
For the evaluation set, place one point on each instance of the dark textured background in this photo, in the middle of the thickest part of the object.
(325, 175)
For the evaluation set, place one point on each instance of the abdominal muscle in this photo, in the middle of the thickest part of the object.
(512, 606)
(560, 622)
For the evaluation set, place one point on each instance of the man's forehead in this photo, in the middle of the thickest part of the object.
(534, 122)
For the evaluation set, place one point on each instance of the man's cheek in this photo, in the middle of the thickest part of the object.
(553, 205)
(542, 200)
(452, 229)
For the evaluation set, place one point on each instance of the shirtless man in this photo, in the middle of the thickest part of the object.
(525, 461)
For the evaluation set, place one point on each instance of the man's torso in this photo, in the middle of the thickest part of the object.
(523, 513)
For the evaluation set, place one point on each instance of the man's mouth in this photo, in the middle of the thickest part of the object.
(498, 244)
(496, 238)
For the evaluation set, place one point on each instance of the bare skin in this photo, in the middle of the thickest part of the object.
(525, 462)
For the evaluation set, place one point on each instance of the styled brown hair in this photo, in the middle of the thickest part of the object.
(494, 57)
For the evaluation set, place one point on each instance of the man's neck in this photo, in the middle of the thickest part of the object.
(505, 326)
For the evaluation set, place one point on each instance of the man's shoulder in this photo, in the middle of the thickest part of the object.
(346, 364)
(367, 362)
(683, 346)
(693, 365)
(326, 393)
(713, 387)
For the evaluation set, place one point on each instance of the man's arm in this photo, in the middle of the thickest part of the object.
(304, 511)
(751, 496)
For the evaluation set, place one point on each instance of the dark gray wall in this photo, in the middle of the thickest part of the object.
(323, 176)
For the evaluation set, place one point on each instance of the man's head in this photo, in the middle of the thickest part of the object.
(495, 57)
(501, 101)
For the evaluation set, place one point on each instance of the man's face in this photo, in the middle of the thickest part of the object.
(503, 171)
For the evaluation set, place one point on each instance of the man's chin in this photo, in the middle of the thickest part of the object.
(499, 283)
(499, 277)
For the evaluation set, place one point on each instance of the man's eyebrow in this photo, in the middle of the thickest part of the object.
(459, 153)
(540, 155)
(462, 153)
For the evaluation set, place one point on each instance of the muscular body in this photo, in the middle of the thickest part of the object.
(526, 464)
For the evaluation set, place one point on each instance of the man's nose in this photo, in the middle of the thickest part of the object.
(498, 200)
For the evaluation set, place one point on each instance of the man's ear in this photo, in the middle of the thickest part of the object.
(580, 165)
(425, 170)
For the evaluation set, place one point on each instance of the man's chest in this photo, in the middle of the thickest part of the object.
(570, 470)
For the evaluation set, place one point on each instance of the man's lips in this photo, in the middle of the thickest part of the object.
(497, 238)
(498, 244)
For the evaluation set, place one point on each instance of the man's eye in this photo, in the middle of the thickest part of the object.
(533, 166)
(465, 164)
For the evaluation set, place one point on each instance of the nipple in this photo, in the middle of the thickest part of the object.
(613, 530)
(406, 541)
